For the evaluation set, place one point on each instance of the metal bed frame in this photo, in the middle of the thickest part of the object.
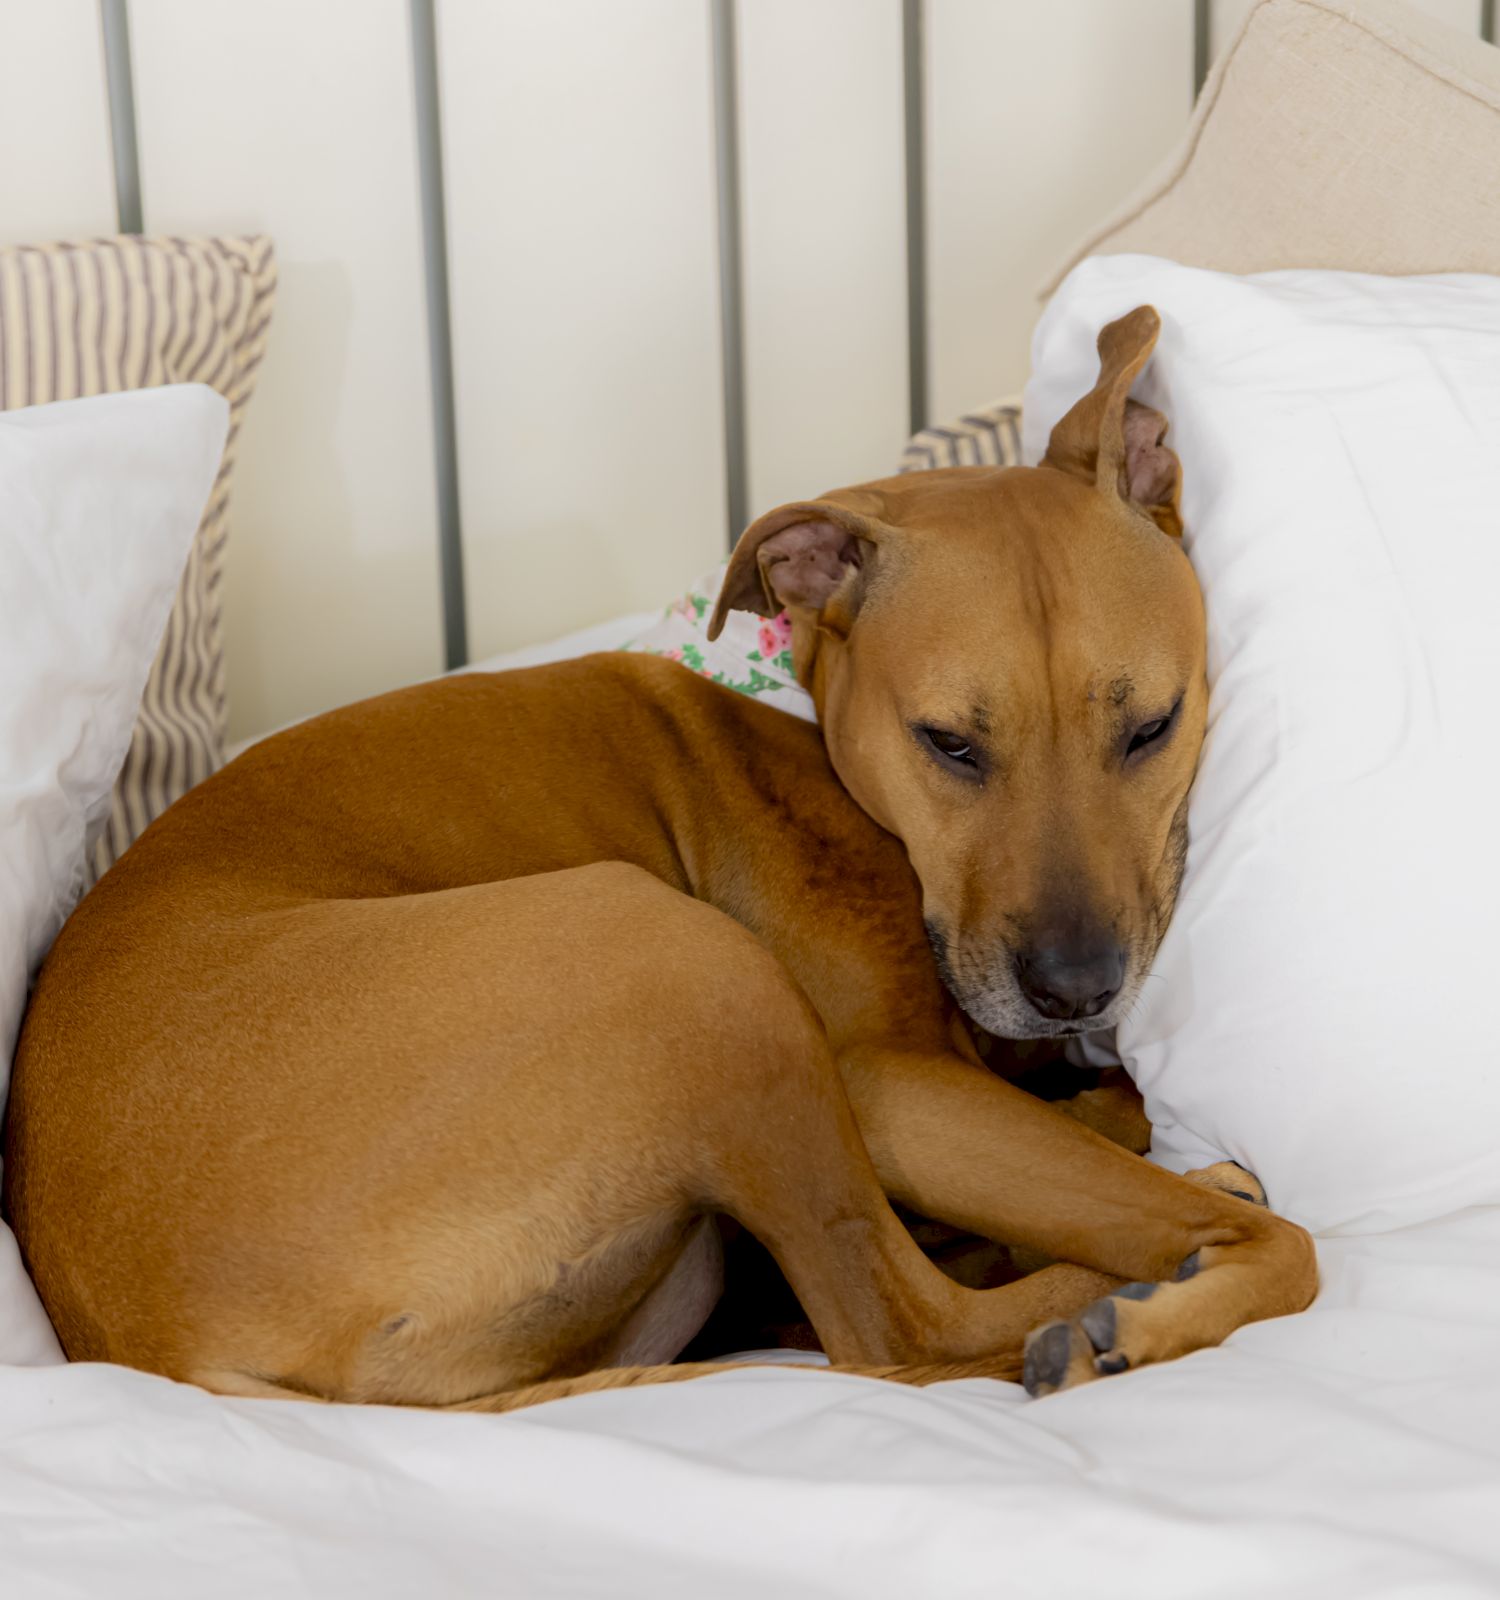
(114, 18)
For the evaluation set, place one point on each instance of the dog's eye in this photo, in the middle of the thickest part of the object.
(1147, 733)
(952, 745)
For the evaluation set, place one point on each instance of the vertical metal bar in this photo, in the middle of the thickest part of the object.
(731, 265)
(913, 72)
(424, 66)
(1487, 21)
(120, 81)
(1203, 42)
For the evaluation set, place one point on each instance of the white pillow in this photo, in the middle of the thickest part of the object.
(99, 500)
(1329, 971)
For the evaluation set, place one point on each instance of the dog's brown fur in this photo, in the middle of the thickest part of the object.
(404, 1059)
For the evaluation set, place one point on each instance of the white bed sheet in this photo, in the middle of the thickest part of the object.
(1352, 1451)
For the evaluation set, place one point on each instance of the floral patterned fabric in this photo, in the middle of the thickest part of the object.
(753, 655)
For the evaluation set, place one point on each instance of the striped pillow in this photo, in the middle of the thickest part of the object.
(102, 315)
(990, 437)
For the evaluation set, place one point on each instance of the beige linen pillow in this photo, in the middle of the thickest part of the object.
(1360, 135)
(102, 315)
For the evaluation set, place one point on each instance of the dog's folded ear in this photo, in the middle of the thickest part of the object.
(806, 556)
(1116, 442)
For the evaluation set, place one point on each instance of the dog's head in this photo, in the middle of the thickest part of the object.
(1008, 666)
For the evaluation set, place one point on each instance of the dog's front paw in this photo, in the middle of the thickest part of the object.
(1231, 1178)
(1143, 1322)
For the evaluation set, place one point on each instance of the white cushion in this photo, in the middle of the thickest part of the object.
(1328, 975)
(99, 500)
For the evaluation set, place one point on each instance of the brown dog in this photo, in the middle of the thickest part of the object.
(405, 1059)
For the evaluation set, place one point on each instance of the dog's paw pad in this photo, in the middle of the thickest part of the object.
(1230, 1177)
(1189, 1268)
(1062, 1355)
(1100, 1323)
(1105, 1321)
(1058, 1355)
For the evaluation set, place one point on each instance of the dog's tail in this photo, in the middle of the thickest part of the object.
(260, 1387)
(996, 1366)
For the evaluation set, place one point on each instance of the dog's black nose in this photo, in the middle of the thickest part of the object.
(1070, 981)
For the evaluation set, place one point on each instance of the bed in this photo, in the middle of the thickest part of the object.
(1285, 1464)
(1353, 1450)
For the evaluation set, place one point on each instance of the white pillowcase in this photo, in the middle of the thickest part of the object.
(99, 500)
(1331, 964)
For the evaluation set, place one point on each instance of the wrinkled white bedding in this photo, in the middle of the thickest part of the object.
(1351, 1451)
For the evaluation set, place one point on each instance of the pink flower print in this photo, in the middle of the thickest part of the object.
(775, 635)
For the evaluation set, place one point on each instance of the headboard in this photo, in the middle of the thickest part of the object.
(851, 251)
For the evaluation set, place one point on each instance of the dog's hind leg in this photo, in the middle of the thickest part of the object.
(513, 1101)
(1029, 1304)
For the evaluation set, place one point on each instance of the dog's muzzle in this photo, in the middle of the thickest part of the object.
(1046, 992)
(1071, 983)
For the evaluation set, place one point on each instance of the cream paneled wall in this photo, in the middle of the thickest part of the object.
(825, 231)
(1042, 118)
(583, 268)
(294, 117)
(579, 150)
(55, 174)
